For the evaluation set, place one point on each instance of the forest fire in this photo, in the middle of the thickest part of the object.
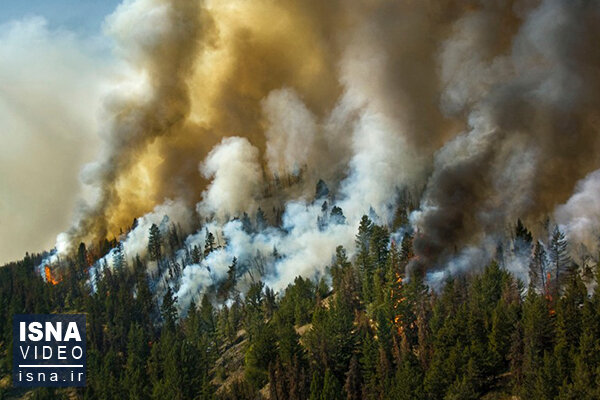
(548, 294)
(396, 293)
(49, 277)
(383, 199)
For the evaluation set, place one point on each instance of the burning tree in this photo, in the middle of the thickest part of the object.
(49, 278)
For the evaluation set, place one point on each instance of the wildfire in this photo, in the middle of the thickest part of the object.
(398, 316)
(90, 259)
(548, 294)
(49, 277)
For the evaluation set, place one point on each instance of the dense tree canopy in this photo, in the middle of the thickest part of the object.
(368, 331)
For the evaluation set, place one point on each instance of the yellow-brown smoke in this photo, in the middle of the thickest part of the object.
(428, 69)
(210, 64)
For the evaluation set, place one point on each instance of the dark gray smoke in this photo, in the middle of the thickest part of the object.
(532, 114)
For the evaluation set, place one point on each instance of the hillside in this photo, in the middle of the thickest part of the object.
(304, 199)
(379, 334)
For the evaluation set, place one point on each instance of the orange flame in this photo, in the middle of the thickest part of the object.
(548, 293)
(398, 317)
(49, 277)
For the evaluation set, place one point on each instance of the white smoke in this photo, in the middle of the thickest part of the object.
(304, 249)
(138, 26)
(51, 85)
(291, 132)
(135, 241)
(579, 217)
(380, 164)
(237, 178)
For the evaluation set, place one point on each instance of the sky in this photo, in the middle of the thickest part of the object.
(57, 65)
(82, 16)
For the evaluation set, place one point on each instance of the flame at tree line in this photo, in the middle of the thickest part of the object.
(48, 275)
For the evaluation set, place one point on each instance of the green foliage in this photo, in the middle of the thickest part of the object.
(209, 243)
(331, 387)
(155, 243)
(379, 334)
(559, 258)
(258, 356)
(168, 310)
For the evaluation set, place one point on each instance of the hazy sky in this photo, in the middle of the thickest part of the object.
(82, 16)
(55, 70)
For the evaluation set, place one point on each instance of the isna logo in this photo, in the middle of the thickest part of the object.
(49, 350)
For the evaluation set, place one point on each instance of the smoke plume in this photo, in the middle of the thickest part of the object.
(531, 133)
(483, 111)
(51, 88)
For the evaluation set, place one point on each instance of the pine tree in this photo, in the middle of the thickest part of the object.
(196, 255)
(209, 243)
(288, 344)
(406, 248)
(111, 385)
(246, 223)
(378, 246)
(82, 259)
(363, 259)
(259, 355)
(136, 381)
(384, 372)
(503, 319)
(235, 317)
(206, 316)
(144, 302)
(316, 386)
(230, 282)
(331, 387)
(337, 216)
(408, 381)
(587, 361)
(559, 257)
(168, 310)
(522, 233)
(338, 268)
(369, 361)
(332, 340)
(155, 243)
(363, 237)
(119, 261)
(462, 389)
(538, 334)
(352, 386)
(537, 267)
(515, 357)
(321, 190)
(261, 220)
(276, 384)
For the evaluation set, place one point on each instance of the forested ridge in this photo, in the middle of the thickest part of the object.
(366, 330)
(306, 199)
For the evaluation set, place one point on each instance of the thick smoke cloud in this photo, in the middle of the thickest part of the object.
(212, 69)
(529, 99)
(159, 40)
(51, 87)
(483, 111)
